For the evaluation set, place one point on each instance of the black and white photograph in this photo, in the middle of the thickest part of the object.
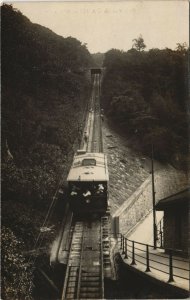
(95, 161)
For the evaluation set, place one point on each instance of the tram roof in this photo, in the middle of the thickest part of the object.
(89, 172)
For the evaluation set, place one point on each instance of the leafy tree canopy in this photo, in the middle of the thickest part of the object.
(138, 43)
(145, 93)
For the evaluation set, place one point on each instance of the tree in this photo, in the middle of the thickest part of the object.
(139, 43)
(182, 47)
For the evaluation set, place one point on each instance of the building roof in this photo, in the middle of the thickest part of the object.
(175, 199)
(89, 167)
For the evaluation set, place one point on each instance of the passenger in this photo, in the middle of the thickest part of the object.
(100, 189)
(86, 193)
(74, 191)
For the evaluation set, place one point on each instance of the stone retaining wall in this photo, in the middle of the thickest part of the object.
(167, 181)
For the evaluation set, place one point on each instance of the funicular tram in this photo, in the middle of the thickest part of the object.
(88, 183)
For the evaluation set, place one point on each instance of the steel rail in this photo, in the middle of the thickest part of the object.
(100, 120)
(80, 267)
(68, 266)
(102, 261)
(97, 130)
(95, 124)
(67, 272)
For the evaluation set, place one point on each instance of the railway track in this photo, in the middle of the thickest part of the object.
(96, 142)
(88, 260)
(89, 248)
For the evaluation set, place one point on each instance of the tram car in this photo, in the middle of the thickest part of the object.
(88, 183)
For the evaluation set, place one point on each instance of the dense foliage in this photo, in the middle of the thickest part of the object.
(45, 87)
(145, 93)
(98, 59)
(16, 272)
(43, 79)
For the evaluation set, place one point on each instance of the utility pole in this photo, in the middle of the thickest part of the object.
(153, 198)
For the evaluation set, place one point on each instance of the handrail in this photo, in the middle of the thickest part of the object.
(156, 261)
(126, 243)
(167, 249)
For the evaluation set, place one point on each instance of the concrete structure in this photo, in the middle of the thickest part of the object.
(96, 71)
(167, 182)
(176, 216)
(157, 266)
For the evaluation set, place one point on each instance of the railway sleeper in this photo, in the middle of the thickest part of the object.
(73, 273)
(92, 270)
(71, 284)
(106, 241)
(70, 290)
(90, 278)
(106, 258)
(70, 296)
(106, 255)
(90, 283)
(73, 270)
(74, 279)
(90, 295)
(75, 258)
(90, 289)
(76, 248)
(76, 242)
(105, 234)
(106, 252)
(91, 274)
(107, 265)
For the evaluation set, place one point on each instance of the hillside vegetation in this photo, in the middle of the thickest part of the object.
(145, 94)
(98, 59)
(45, 87)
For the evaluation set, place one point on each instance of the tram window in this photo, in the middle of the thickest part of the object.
(88, 162)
